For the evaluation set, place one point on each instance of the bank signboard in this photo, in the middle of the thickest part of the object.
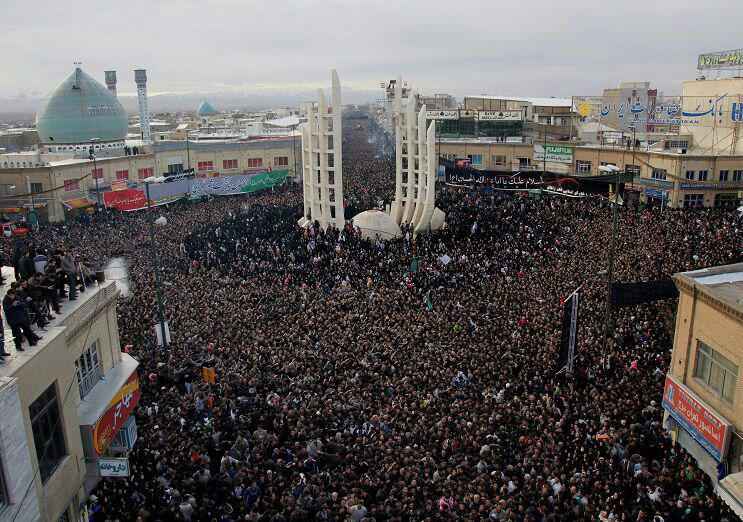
(708, 427)
(553, 153)
(499, 115)
(721, 60)
(117, 411)
(446, 114)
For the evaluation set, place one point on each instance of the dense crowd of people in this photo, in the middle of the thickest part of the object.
(412, 379)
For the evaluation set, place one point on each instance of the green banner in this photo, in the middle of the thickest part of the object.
(265, 180)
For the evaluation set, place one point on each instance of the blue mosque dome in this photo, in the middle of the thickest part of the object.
(206, 109)
(79, 110)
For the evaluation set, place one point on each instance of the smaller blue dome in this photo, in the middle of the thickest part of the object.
(205, 109)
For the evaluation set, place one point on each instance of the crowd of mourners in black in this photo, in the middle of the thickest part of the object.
(351, 385)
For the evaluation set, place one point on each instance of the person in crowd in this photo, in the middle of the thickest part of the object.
(17, 317)
(70, 267)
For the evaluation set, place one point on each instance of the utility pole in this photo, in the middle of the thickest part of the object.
(156, 269)
(544, 153)
(95, 172)
(610, 273)
(188, 151)
(32, 210)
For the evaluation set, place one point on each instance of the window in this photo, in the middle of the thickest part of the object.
(693, 200)
(98, 174)
(71, 184)
(737, 175)
(659, 174)
(258, 162)
(36, 188)
(229, 164)
(175, 168)
(689, 174)
(88, 369)
(582, 166)
(703, 175)
(145, 173)
(206, 166)
(476, 159)
(122, 174)
(281, 161)
(724, 175)
(716, 371)
(46, 426)
(499, 160)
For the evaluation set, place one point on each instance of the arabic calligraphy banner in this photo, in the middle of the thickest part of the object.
(708, 428)
(120, 407)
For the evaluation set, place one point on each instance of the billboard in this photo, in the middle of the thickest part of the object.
(499, 115)
(708, 428)
(117, 412)
(447, 114)
(554, 153)
(721, 60)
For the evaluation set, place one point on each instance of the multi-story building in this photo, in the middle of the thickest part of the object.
(60, 188)
(667, 174)
(65, 412)
(703, 396)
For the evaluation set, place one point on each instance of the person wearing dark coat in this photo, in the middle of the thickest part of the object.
(15, 313)
(26, 266)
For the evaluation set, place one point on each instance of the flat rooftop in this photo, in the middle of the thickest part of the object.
(724, 282)
(72, 313)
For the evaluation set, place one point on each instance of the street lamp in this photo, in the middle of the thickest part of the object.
(91, 152)
(611, 169)
(32, 211)
(161, 222)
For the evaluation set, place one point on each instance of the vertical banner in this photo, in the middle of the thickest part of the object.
(569, 337)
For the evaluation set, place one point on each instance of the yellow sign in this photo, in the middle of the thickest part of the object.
(584, 109)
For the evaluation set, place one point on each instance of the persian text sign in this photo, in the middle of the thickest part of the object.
(554, 153)
(118, 410)
(707, 427)
(114, 467)
(449, 114)
(265, 180)
(721, 60)
(499, 115)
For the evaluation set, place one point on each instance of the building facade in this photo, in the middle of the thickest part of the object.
(60, 188)
(703, 396)
(663, 175)
(71, 396)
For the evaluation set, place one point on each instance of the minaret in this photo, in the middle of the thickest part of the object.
(140, 77)
(111, 82)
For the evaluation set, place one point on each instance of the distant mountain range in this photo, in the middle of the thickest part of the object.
(21, 108)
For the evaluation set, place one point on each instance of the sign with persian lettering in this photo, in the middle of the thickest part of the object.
(499, 115)
(721, 60)
(117, 412)
(708, 427)
(114, 467)
(554, 153)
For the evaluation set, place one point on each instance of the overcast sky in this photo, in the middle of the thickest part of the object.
(526, 47)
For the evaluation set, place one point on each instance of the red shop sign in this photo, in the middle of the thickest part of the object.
(117, 412)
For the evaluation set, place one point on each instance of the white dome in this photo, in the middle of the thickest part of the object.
(374, 223)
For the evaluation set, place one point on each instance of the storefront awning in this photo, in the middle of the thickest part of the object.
(730, 490)
(77, 203)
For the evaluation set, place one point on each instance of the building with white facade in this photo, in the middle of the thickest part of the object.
(322, 161)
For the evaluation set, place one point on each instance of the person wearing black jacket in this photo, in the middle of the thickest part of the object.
(55, 276)
(15, 313)
(26, 267)
(41, 288)
(22, 294)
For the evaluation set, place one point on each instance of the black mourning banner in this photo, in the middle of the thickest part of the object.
(569, 337)
(633, 294)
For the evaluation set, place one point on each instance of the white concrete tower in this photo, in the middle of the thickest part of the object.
(415, 166)
(140, 77)
(111, 82)
(322, 161)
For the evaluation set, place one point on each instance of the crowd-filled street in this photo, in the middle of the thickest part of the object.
(351, 385)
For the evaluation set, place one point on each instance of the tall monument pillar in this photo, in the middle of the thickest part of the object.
(140, 77)
(322, 161)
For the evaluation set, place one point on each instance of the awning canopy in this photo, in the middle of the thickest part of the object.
(78, 203)
(730, 490)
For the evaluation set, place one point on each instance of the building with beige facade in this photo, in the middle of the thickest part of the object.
(703, 395)
(663, 174)
(65, 415)
(62, 188)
